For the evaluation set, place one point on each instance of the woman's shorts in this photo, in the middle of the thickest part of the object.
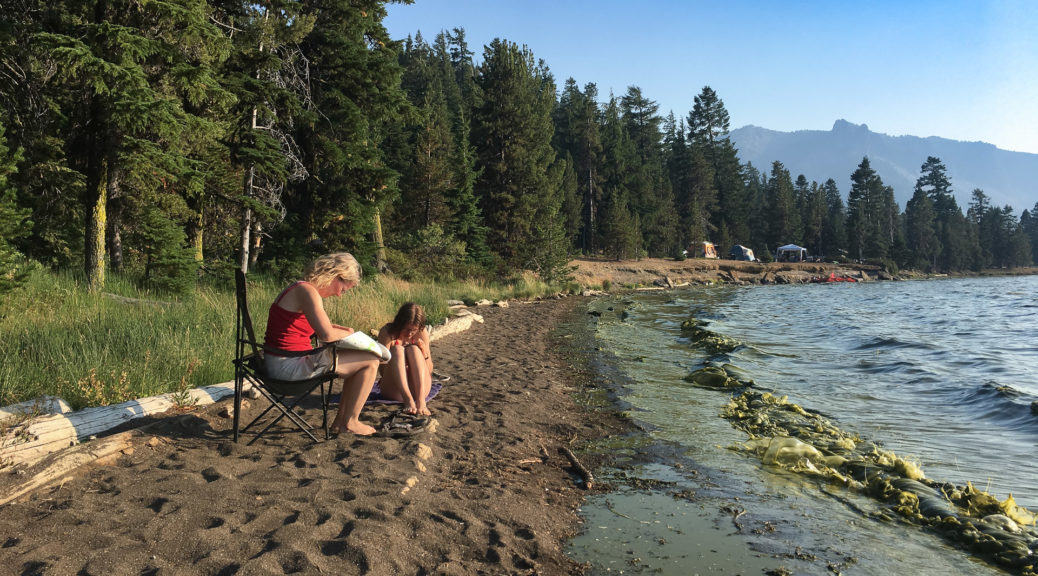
(299, 367)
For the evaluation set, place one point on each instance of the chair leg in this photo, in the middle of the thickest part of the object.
(239, 385)
(276, 402)
(285, 411)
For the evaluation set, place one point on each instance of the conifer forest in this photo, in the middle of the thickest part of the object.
(164, 139)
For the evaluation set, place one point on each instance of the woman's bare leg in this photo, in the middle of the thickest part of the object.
(394, 383)
(418, 378)
(358, 370)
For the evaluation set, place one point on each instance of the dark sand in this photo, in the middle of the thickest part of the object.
(486, 492)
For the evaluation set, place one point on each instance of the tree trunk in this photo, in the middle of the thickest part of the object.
(257, 239)
(196, 233)
(94, 252)
(380, 247)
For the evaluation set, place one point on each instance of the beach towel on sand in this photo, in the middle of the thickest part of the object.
(375, 397)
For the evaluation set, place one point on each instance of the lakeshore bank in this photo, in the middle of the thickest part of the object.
(666, 273)
(487, 489)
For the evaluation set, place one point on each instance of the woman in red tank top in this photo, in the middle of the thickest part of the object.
(298, 313)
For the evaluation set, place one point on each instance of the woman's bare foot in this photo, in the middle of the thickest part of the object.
(423, 410)
(412, 409)
(359, 428)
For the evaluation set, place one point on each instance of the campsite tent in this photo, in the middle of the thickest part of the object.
(702, 250)
(791, 253)
(740, 252)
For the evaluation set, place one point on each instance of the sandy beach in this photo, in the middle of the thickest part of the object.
(485, 490)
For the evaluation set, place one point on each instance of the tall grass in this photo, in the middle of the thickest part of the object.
(91, 349)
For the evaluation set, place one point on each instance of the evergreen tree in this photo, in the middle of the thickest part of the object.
(871, 224)
(758, 219)
(519, 180)
(456, 73)
(834, 233)
(620, 230)
(14, 223)
(133, 79)
(784, 226)
(814, 215)
(577, 134)
(571, 205)
(356, 98)
(650, 197)
(708, 124)
(957, 252)
(1029, 228)
(264, 75)
(920, 231)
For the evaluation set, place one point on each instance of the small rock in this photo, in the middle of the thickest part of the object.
(423, 452)
(501, 303)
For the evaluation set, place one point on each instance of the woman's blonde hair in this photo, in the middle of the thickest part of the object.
(324, 270)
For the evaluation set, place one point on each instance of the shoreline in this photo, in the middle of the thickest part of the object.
(488, 489)
(669, 273)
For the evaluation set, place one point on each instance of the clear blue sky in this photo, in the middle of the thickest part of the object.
(959, 69)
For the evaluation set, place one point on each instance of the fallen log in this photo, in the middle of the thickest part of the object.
(70, 461)
(585, 474)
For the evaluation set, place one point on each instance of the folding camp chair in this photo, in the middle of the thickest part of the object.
(284, 395)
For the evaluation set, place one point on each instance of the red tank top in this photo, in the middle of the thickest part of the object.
(286, 329)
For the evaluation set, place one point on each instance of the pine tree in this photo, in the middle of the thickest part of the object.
(708, 124)
(128, 76)
(957, 252)
(578, 135)
(814, 213)
(784, 225)
(620, 230)
(650, 198)
(834, 233)
(1029, 228)
(355, 79)
(519, 180)
(919, 230)
(14, 223)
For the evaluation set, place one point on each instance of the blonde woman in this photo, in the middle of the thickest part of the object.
(407, 377)
(297, 314)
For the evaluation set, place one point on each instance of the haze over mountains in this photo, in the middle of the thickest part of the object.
(1006, 177)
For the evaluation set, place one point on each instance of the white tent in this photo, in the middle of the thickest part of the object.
(791, 253)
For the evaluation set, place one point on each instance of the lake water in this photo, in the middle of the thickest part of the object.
(941, 373)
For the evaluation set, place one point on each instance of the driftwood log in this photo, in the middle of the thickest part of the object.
(585, 474)
(67, 463)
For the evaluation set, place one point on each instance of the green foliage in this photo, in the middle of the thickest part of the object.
(430, 255)
(14, 224)
(170, 265)
(94, 348)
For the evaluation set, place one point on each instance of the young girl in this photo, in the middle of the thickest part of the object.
(407, 377)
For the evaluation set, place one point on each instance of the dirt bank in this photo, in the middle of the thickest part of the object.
(664, 272)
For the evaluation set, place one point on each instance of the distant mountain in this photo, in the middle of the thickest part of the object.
(1006, 177)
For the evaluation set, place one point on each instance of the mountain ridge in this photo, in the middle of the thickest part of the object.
(1007, 177)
